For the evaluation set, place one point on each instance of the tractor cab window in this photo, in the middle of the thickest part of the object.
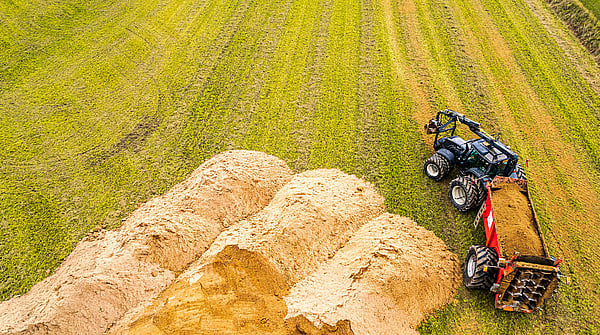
(473, 158)
(498, 169)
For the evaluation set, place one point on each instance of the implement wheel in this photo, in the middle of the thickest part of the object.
(436, 167)
(478, 258)
(464, 192)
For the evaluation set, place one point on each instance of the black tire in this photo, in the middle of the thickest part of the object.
(464, 192)
(436, 167)
(481, 191)
(478, 257)
(520, 172)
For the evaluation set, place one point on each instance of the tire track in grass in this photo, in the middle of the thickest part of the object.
(308, 97)
(251, 51)
(335, 118)
(431, 84)
(255, 78)
(207, 30)
(273, 113)
(448, 52)
(202, 134)
(426, 46)
(370, 69)
(403, 149)
(400, 24)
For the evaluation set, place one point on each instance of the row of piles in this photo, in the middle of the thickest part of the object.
(243, 246)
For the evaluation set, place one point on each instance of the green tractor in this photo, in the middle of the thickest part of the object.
(478, 160)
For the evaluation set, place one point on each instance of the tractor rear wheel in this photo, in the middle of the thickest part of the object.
(481, 191)
(464, 192)
(480, 267)
(436, 167)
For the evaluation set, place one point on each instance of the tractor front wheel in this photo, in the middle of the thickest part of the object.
(464, 192)
(480, 267)
(436, 167)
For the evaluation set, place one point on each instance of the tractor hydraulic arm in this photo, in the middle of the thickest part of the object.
(473, 126)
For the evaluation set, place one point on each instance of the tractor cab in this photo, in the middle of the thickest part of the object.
(491, 160)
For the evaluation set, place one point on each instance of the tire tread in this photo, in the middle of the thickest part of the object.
(441, 162)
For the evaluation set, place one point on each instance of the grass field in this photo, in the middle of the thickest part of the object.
(592, 6)
(105, 104)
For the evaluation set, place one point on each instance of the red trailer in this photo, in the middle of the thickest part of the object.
(514, 263)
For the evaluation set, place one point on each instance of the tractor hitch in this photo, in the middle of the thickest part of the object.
(433, 127)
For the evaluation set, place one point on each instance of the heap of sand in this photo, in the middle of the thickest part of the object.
(244, 247)
(385, 280)
(237, 286)
(110, 272)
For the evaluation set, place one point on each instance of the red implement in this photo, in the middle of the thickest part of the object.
(527, 276)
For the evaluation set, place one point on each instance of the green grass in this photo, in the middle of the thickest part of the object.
(582, 19)
(106, 104)
(593, 6)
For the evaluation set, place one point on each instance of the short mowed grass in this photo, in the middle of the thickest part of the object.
(106, 104)
(593, 6)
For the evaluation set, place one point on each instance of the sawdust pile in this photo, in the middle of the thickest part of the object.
(240, 292)
(515, 223)
(175, 229)
(385, 280)
(110, 272)
(307, 221)
(244, 247)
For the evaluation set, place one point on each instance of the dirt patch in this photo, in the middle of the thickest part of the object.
(515, 224)
(130, 141)
(385, 280)
(116, 270)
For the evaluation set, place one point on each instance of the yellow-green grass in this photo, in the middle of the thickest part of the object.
(105, 104)
(582, 19)
(593, 6)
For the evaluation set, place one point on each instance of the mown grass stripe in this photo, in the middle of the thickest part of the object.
(369, 85)
(402, 147)
(307, 101)
(336, 114)
(271, 112)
